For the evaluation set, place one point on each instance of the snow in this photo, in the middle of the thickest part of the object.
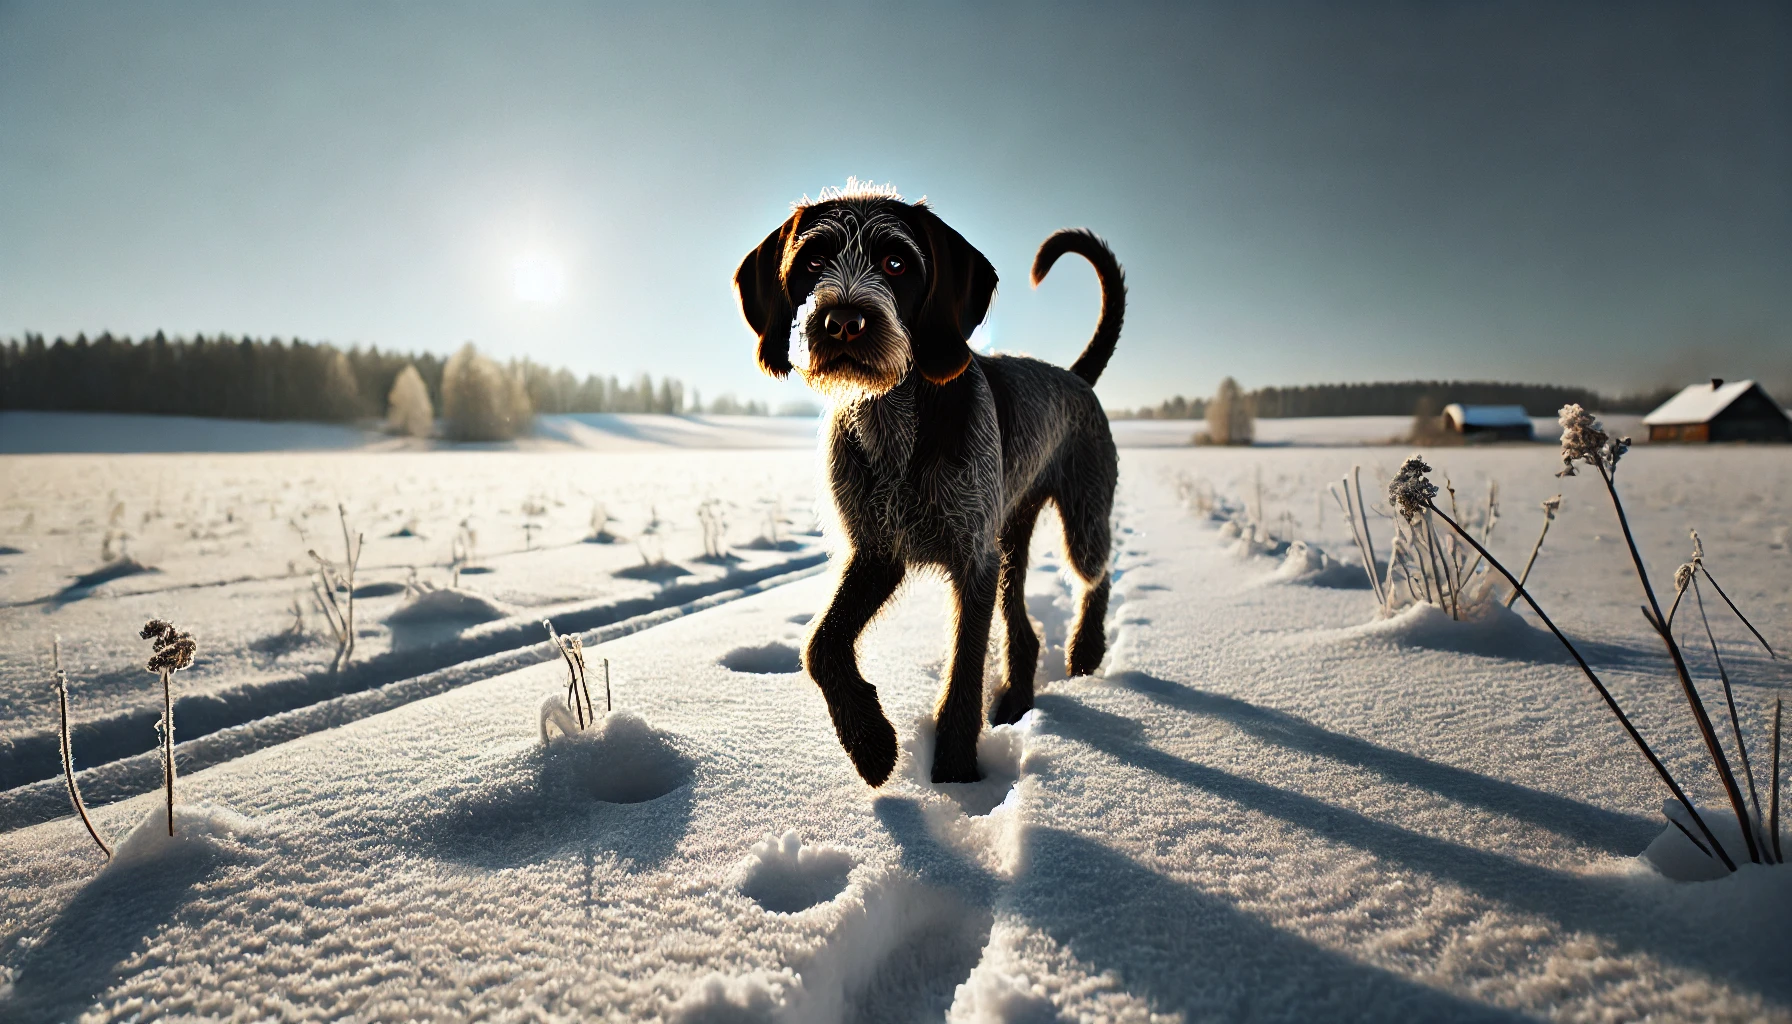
(228, 537)
(1268, 805)
(23, 433)
(1698, 403)
(200, 832)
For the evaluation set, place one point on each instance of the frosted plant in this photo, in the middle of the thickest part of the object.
(1584, 442)
(332, 580)
(715, 529)
(578, 695)
(1410, 490)
(1357, 515)
(59, 681)
(173, 652)
(1550, 507)
(463, 549)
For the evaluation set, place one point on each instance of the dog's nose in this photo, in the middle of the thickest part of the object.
(844, 324)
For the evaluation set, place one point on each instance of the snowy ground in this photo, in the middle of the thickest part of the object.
(24, 433)
(225, 538)
(1267, 806)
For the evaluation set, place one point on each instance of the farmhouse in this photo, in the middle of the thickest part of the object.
(1489, 422)
(1719, 411)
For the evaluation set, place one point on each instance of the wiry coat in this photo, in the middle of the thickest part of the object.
(936, 456)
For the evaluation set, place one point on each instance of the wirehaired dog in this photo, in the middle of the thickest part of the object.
(937, 456)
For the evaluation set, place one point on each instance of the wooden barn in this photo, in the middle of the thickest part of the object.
(1719, 411)
(1489, 422)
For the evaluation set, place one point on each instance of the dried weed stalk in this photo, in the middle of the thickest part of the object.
(173, 652)
(59, 680)
(1585, 443)
(578, 695)
(333, 579)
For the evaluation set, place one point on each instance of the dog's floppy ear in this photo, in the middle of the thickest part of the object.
(961, 284)
(759, 283)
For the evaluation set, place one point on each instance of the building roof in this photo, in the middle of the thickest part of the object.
(1698, 403)
(1488, 415)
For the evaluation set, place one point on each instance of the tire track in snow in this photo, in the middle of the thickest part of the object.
(46, 799)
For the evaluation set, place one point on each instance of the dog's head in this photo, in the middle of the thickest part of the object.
(882, 286)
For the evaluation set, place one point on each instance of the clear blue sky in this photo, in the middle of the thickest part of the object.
(1591, 194)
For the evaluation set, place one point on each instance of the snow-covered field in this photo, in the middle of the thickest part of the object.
(1268, 805)
(23, 433)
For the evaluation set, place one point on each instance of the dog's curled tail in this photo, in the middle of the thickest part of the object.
(1113, 293)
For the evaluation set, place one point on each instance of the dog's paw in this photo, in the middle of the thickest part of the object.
(866, 734)
(1010, 705)
(1084, 656)
(873, 751)
(956, 762)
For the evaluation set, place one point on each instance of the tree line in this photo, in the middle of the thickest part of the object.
(271, 379)
(1404, 398)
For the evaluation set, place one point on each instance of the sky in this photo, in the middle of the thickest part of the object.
(1589, 194)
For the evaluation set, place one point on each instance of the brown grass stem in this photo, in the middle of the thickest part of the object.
(1532, 560)
(1356, 473)
(1701, 718)
(1738, 612)
(60, 681)
(1773, 788)
(1748, 772)
(168, 743)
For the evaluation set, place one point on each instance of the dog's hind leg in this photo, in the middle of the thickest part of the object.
(959, 717)
(1021, 645)
(832, 660)
(1087, 544)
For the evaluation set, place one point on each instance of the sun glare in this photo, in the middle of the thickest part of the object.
(537, 279)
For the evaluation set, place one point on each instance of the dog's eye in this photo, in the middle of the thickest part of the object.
(894, 265)
(815, 264)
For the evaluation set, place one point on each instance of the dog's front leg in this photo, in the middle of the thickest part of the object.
(832, 660)
(959, 717)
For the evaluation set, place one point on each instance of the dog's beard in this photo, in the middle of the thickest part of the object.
(864, 368)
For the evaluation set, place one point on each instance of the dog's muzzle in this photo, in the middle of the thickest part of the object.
(843, 323)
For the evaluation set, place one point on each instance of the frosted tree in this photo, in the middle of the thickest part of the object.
(480, 402)
(1229, 416)
(408, 410)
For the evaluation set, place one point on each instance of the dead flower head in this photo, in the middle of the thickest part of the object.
(1410, 491)
(1584, 441)
(1682, 577)
(1551, 506)
(174, 649)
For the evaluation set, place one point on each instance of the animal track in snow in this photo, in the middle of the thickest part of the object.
(1000, 751)
(785, 876)
(766, 659)
(898, 952)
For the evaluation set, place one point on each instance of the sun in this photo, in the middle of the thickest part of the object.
(537, 278)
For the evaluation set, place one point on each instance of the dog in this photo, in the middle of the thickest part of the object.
(937, 457)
